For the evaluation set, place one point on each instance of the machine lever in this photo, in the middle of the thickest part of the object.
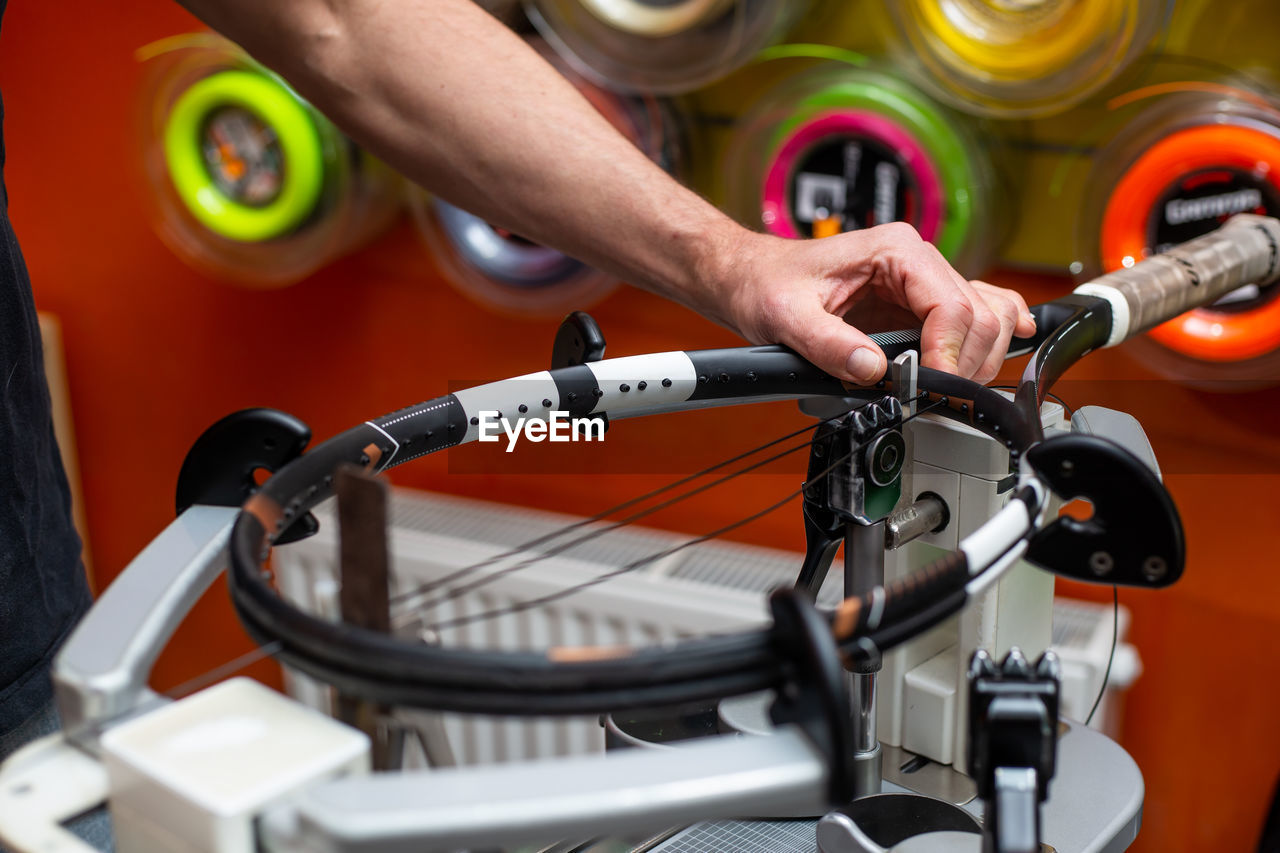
(1134, 536)
(221, 465)
(579, 342)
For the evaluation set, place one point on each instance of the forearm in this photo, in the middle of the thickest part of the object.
(451, 98)
(461, 105)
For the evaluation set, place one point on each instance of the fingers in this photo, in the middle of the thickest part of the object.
(1015, 319)
(960, 329)
(1007, 316)
(835, 346)
(1026, 324)
(915, 275)
(967, 325)
(806, 286)
(983, 337)
(946, 324)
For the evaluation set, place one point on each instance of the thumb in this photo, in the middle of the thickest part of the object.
(838, 348)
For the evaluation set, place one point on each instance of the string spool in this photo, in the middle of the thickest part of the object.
(246, 181)
(1022, 57)
(661, 46)
(1197, 154)
(509, 274)
(840, 148)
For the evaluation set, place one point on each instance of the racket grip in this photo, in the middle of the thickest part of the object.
(1246, 250)
(895, 344)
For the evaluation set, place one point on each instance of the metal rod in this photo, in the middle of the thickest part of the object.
(863, 557)
(864, 695)
(924, 516)
(863, 572)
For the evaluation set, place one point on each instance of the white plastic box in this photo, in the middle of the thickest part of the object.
(192, 775)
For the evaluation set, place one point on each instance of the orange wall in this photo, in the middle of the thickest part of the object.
(156, 352)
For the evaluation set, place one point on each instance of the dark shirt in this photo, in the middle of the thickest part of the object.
(42, 584)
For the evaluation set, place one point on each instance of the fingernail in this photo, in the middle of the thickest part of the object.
(863, 364)
(1031, 317)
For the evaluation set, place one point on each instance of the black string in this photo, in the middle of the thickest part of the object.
(461, 573)
(629, 567)
(661, 555)
(219, 673)
(455, 592)
(540, 540)
(1115, 631)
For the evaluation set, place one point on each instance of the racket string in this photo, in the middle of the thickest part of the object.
(452, 578)
(433, 628)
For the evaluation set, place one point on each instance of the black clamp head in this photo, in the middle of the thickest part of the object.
(855, 474)
(578, 341)
(1013, 742)
(866, 484)
(1013, 717)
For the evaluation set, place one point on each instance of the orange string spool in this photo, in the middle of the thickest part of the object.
(1192, 180)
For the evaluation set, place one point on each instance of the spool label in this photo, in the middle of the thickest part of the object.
(243, 156)
(1200, 201)
(858, 182)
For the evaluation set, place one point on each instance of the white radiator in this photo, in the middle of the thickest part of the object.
(706, 588)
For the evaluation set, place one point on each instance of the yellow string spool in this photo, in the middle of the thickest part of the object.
(1019, 40)
(242, 179)
(1022, 57)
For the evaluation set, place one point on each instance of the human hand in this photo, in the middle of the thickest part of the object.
(798, 293)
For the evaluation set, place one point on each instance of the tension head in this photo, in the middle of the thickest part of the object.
(856, 462)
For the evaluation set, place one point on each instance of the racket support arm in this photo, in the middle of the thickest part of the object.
(101, 672)
(538, 802)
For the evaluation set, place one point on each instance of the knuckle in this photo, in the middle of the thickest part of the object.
(935, 253)
(963, 311)
(1008, 312)
(1006, 297)
(899, 232)
(986, 324)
